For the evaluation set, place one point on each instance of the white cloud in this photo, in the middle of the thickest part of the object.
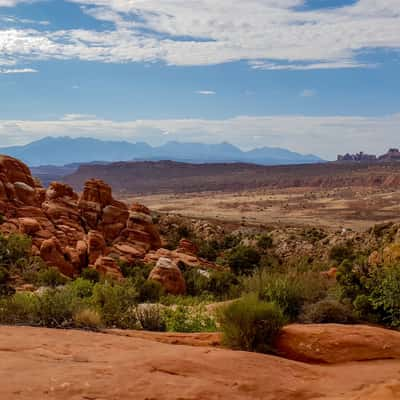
(206, 92)
(308, 93)
(7, 71)
(325, 136)
(270, 34)
(78, 117)
(13, 3)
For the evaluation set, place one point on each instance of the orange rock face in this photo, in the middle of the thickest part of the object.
(69, 231)
(44, 364)
(169, 275)
(333, 344)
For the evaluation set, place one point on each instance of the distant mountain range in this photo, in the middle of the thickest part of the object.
(59, 151)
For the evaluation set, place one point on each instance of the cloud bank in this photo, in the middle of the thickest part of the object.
(268, 34)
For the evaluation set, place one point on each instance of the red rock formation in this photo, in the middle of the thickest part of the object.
(107, 266)
(72, 232)
(187, 247)
(52, 253)
(169, 275)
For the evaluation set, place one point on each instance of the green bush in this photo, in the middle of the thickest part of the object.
(209, 250)
(116, 302)
(265, 242)
(14, 248)
(243, 260)
(189, 320)
(81, 288)
(341, 252)
(385, 295)
(291, 292)
(4, 275)
(150, 292)
(327, 311)
(91, 275)
(21, 308)
(250, 324)
(56, 308)
(50, 277)
(221, 285)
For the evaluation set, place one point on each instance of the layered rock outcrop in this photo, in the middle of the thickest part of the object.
(72, 232)
(167, 273)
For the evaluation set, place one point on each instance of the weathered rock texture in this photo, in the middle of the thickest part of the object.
(43, 364)
(169, 275)
(72, 232)
(333, 343)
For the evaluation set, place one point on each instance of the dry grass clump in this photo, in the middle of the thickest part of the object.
(87, 318)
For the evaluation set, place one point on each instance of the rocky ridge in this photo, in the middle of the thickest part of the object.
(73, 232)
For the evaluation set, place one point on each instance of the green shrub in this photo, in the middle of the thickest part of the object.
(13, 248)
(91, 275)
(250, 324)
(231, 241)
(21, 308)
(4, 275)
(150, 291)
(385, 295)
(56, 308)
(265, 242)
(243, 260)
(341, 252)
(291, 292)
(196, 283)
(50, 277)
(81, 288)
(219, 284)
(116, 303)
(6, 290)
(223, 285)
(209, 250)
(189, 320)
(327, 311)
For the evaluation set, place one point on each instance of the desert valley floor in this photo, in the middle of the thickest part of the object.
(356, 208)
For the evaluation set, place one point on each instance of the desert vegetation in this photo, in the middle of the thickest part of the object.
(263, 290)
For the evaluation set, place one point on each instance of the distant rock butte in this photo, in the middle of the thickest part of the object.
(71, 231)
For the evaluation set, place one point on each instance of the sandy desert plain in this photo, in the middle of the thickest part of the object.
(356, 208)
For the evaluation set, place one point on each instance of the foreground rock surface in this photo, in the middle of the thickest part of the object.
(54, 364)
(333, 344)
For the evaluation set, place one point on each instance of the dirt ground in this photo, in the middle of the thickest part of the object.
(355, 208)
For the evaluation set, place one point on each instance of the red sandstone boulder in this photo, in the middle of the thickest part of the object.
(169, 275)
(52, 253)
(107, 266)
(25, 194)
(29, 226)
(187, 247)
(96, 246)
(190, 260)
(15, 171)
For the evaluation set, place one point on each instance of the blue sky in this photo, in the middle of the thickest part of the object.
(318, 76)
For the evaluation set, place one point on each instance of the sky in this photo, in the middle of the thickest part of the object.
(313, 76)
